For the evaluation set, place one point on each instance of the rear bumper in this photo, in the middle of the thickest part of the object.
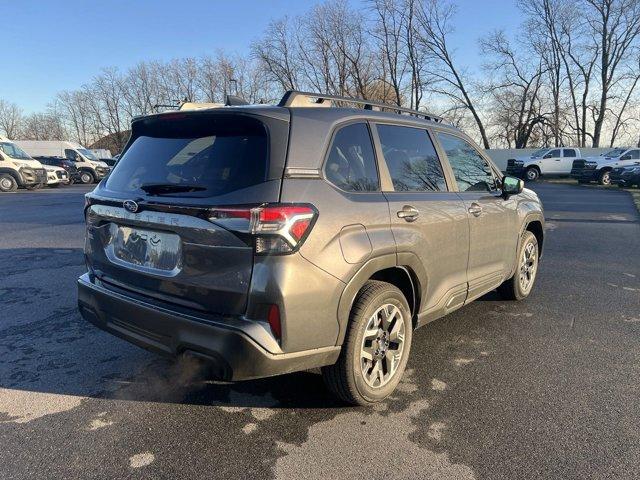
(232, 351)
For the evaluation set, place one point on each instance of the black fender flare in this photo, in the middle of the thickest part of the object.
(16, 175)
(405, 261)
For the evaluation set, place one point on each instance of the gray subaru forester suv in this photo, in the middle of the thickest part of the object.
(272, 239)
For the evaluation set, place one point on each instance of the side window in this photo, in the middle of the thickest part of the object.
(569, 153)
(635, 154)
(471, 170)
(71, 155)
(351, 164)
(411, 159)
(553, 153)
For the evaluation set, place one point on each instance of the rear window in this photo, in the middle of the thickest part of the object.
(192, 155)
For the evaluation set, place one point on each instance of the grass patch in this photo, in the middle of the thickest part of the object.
(563, 181)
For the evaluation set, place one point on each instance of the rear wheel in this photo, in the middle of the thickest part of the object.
(532, 174)
(520, 285)
(7, 183)
(86, 177)
(376, 346)
(605, 178)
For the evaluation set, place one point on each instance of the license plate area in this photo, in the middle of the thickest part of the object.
(148, 251)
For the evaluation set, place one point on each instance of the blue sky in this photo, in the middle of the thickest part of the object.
(49, 46)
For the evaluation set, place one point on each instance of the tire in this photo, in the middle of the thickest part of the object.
(532, 174)
(87, 177)
(514, 289)
(355, 379)
(605, 178)
(7, 183)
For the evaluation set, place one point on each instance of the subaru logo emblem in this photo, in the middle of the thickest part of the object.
(130, 206)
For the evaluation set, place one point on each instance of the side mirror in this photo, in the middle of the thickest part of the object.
(512, 185)
(548, 155)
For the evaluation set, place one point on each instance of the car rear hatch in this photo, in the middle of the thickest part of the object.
(162, 224)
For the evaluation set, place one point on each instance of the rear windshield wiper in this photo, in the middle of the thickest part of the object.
(167, 188)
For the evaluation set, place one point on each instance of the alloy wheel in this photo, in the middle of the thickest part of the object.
(528, 266)
(382, 345)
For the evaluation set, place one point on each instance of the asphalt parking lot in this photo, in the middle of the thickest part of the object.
(546, 388)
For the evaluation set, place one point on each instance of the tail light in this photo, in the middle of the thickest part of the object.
(277, 228)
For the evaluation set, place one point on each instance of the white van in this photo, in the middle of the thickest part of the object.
(17, 169)
(90, 168)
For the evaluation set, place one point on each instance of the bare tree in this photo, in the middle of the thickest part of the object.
(275, 51)
(43, 126)
(433, 27)
(389, 30)
(11, 118)
(616, 26)
(515, 87)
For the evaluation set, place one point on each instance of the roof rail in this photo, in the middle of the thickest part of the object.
(295, 98)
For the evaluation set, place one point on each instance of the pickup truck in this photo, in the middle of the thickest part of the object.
(546, 161)
(598, 169)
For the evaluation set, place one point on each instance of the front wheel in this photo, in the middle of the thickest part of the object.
(605, 178)
(520, 285)
(532, 174)
(86, 177)
(8, 183)
(376, 346)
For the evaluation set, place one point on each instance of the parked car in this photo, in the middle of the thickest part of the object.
(17, 169)
(67, 165)
(545, 161)
(271, 239)
(626, 176)
(598, 169)
(90, 168)
(56, 176)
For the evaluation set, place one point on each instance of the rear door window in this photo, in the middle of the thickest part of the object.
(411, 158)
(193, 156)
(569, 153)
(473, 173)
(351, 164)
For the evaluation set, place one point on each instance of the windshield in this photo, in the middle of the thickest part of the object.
(539, 153)
(192, 157)
(13, 151)
(88, 154)
(616, 152)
